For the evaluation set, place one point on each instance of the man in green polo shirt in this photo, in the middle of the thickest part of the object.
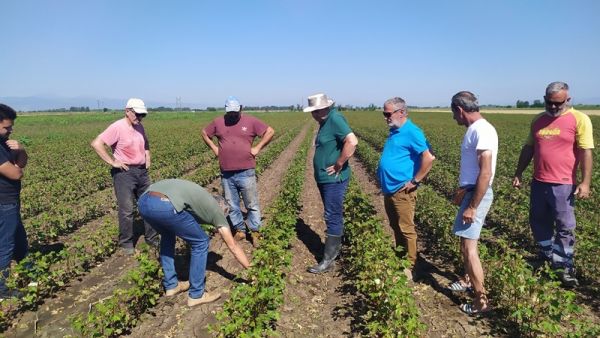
(175, 207)
(334, 145)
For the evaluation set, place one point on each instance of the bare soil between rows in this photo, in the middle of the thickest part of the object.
(172, 318)
(314, 305)
(438, 306)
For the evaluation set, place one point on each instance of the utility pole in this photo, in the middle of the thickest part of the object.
(178, 103)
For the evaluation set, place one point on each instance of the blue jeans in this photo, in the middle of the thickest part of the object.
(242, 182)
(13, 239)
(332, 195)
(169, 223)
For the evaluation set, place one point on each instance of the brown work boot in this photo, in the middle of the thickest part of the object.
(256, 237)
(181, 286)
(206, 298)
(240, 235)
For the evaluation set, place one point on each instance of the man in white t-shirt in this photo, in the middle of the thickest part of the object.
(478, 153)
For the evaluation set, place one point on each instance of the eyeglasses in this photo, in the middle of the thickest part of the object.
(388, 114)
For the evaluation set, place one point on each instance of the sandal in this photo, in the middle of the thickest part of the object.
(471, 310)
(460, 286)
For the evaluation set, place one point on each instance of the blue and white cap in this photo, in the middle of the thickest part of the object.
(232, 104)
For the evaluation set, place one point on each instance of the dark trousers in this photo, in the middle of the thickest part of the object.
(552, 219)
(332, 195)
(13, 239)
(129, 186)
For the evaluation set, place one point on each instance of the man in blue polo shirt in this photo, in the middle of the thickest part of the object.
(404, 163)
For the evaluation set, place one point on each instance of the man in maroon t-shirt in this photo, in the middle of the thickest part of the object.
(237, 160)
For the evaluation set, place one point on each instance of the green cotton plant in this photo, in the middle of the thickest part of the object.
(62, 196)
(537, 304)
(116, 315)
(51, 271)
(533, 304)
(253, 309)
(390, 307)
(530, 302)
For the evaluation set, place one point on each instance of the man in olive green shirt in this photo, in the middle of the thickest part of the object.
(334, 145)
(175, 207)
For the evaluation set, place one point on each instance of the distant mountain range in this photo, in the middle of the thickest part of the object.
(30, 103)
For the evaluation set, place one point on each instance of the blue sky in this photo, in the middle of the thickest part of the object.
(279, 52)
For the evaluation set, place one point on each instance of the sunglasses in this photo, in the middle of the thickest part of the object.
(555, 104)
(387, 115)
(138, 115)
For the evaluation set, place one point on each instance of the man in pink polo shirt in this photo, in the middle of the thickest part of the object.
(129, 163)
(559, 141)
(237, 160)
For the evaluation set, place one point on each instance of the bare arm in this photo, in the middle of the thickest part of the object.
(264, 140)
(99, 147)
(235, 249)
(350, 142)
(583, 188)
(483, 182)
(524, 160)
(148, 159)
(11, 171)
(210, 143)
(18, 150)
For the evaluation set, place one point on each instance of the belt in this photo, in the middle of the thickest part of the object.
(157, 194)
(139, 166)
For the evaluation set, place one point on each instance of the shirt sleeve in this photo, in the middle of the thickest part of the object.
(207, 210)
(486, 139)
(420, 143)
(3, 157)
(211, 129)
(584, 132)
(217, 218)
(146, 142)
(342, 129)
(110, 136)
(259, 127)
(529, 140)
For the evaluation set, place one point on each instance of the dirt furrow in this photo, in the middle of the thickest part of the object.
(51, 318)
(314, 305)
(174, 318)
(438, 306)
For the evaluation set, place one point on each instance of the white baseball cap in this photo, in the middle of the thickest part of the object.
(137, 105)
(232, 104)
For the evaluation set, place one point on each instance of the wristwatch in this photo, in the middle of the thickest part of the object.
(415, 182)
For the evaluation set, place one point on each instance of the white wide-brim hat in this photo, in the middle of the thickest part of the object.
(318, 101)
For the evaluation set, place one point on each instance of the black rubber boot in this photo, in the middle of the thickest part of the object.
(333, 245)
